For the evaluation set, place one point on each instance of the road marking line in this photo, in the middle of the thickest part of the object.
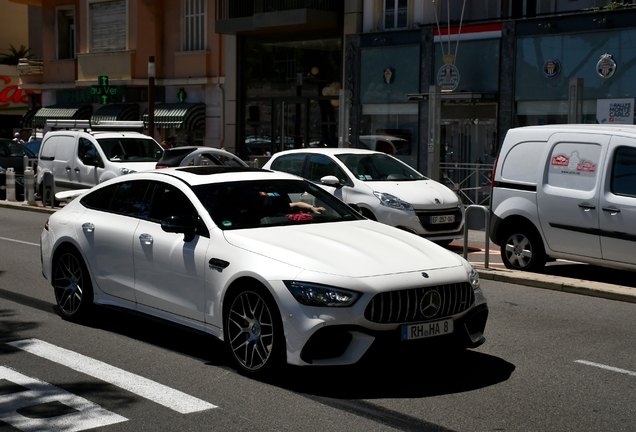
(20, 241)
(33, 393)
(609, 368)
(159, 393)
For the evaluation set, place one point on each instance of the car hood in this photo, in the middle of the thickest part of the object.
(351, 249)
(419, 193)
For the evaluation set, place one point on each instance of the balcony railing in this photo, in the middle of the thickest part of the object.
(231, 9)
(30, 67)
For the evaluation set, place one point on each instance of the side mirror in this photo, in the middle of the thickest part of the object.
(180, 224)
(331, 180)
(91, 160)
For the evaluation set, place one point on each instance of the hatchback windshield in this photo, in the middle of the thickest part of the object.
(123, 149)
(378, 167)
(252, 204)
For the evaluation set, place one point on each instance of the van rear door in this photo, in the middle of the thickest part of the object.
(568, 193)
(618, 202)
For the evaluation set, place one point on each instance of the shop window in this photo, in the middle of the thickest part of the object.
(107, 25)
(65, 29)
(395, 14)
(193, 28)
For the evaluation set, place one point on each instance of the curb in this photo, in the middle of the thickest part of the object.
(557, 283)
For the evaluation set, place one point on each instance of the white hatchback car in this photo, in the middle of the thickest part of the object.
(382, 187)
(270, 263)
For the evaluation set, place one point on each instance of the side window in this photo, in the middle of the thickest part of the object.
(86, 148)
(99, 199)
(168, 201)
(574, 166)
(320, 166)
(624, 172)
(131, 198)
(292, 163)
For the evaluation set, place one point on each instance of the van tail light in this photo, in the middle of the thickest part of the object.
(492, 176)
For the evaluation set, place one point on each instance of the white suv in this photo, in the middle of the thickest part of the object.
(82, 159)
(566, 191)
(382, 187)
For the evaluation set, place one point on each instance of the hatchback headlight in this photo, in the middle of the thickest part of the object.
(392, 201)
(312, 294)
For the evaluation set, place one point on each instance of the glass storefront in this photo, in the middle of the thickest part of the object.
(291, 93)
(545, 65)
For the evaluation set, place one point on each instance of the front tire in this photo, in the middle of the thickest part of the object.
(72, 285)
(253, 330)
(523, 250)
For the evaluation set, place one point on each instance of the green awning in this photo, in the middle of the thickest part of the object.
(189, 116)
(114, 112)
(61, 112)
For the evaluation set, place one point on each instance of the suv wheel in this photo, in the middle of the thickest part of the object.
(523, 249)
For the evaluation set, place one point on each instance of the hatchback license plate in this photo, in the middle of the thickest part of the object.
(426, 330)
(442, 219)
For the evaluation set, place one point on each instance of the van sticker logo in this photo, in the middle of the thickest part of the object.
(573, 164)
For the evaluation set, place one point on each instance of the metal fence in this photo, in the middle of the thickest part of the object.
(230, 9)
(471, 182)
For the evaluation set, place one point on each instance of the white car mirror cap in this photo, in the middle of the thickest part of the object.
(330, 181)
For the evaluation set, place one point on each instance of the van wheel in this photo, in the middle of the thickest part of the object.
(523, 250)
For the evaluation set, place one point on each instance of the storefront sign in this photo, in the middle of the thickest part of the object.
(551, 68)
(606, 66)
(13, 100)
(618, 111)
(448, 77)
(103, 93)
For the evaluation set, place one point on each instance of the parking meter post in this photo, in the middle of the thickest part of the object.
(10, 179)
(29, 187)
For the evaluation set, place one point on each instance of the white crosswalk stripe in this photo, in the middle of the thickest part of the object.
(159, 393)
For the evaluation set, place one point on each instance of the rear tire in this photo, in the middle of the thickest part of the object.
(72, 285)
(253, 330)
(522, 249)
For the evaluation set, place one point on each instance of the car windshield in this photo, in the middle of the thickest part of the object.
(126, 149)
(264, 203)
(378, 167)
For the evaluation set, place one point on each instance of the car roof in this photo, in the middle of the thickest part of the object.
(329, 151)
(198, 175)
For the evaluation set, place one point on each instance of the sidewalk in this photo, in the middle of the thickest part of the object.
(536, 280)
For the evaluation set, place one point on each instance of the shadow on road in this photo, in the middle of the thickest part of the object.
(591, 273)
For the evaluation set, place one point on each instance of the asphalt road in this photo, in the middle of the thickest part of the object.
(553, 361)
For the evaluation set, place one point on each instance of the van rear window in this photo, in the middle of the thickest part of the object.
(522, 163)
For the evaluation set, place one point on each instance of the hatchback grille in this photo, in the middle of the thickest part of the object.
(404, 306)
(425, 220)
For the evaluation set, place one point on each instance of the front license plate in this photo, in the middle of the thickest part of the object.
(426, 330)
(442, 219)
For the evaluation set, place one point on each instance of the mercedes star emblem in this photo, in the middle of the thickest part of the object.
(430, 304)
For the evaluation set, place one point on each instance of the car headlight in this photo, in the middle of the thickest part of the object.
(392, 201)
(473, 277)
(312, 294)
(124, 171)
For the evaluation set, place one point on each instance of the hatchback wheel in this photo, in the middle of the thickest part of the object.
(523, 250)
(253, 331)
(72, 285)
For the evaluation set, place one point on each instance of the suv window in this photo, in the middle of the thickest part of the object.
(624, 172)
(574, 166)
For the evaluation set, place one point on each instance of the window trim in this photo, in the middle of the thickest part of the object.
(89, 25)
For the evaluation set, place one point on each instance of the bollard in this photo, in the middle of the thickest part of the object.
(29, 187)
(10, 179)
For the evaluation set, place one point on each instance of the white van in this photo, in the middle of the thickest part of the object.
(566, 191)
(81, 159)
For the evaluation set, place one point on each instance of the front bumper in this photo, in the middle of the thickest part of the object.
(419, 222)
(347, 344)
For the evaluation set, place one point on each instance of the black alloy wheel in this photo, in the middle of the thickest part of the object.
(72, 285)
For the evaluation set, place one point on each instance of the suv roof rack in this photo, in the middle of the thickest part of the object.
(68, 124)
(120, 125)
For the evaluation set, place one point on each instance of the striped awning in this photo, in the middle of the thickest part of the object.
(27, 118)
(189, 116)
(114, 112)
(61, 112)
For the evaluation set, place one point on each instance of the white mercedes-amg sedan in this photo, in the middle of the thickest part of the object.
(272, 264)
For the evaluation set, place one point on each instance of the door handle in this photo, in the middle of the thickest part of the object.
(613, 210)
(146, 238)
(77, 170)
(587, 206)
(88, 227)
(68, 168)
